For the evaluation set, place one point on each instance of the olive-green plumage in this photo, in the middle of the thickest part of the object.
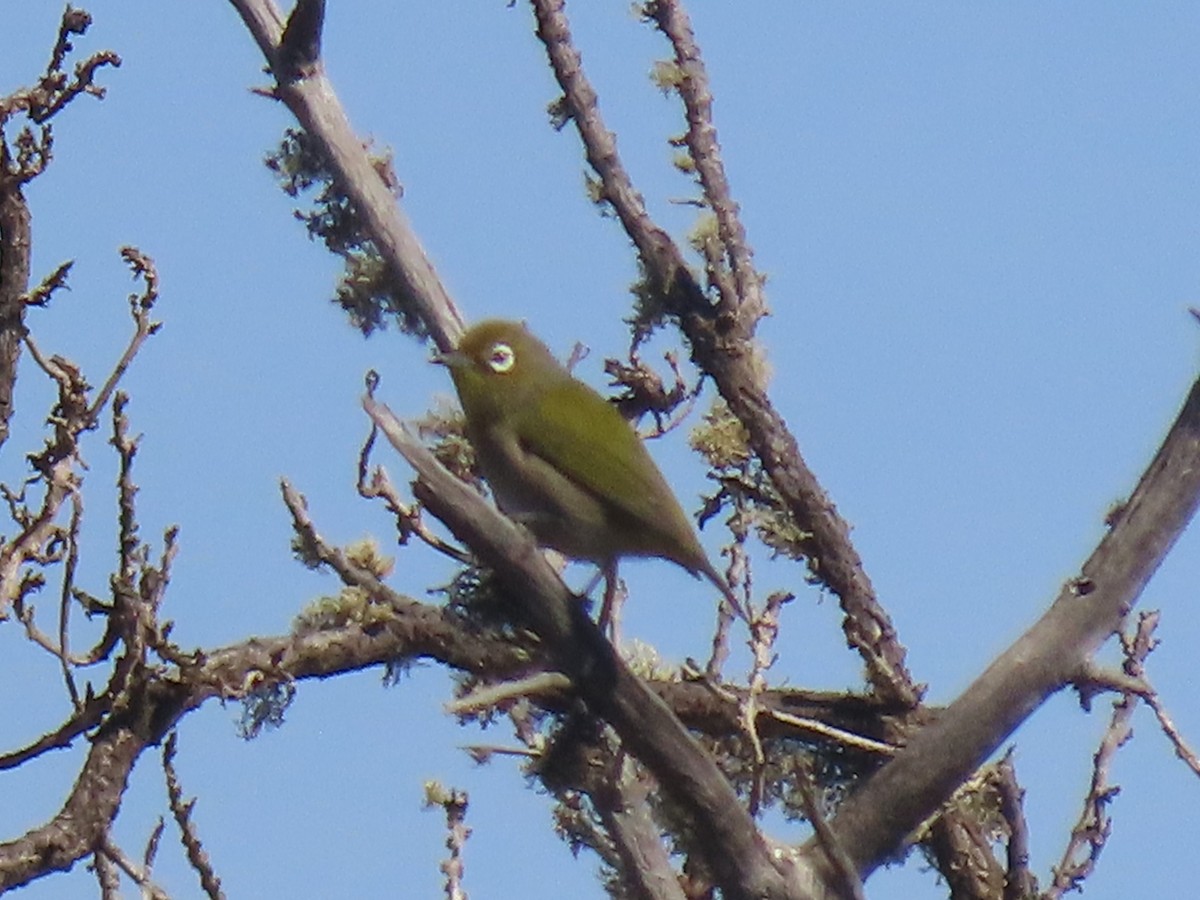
(562, 460)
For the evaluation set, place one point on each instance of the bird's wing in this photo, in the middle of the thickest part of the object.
(594, 447)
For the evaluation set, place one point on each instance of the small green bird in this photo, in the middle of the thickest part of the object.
(562, 460)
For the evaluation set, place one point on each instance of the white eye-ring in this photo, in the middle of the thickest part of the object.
(501, 359)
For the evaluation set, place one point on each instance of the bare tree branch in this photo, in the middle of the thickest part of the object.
(692, 84)
(722, 344)
(313, 102)
(84, 819)
(182, 811)
(454, 804)
(727, 836)
(1135, 655)
(1048, 656)
(140, 874)
(1019, 883)
(20, 164)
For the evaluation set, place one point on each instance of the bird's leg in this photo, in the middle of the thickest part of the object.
(610, 609)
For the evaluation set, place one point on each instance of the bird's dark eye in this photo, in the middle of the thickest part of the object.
(501, 359)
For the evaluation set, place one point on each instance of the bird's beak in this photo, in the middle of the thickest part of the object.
(451, 359)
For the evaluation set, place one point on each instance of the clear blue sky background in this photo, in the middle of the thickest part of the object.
(980, 226)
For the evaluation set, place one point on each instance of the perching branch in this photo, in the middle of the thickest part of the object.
(728, 838)
(312, 100)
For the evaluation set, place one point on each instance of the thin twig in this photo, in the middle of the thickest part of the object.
(150, 854)
(493, 695)
(332, 557)
(454, 803)
(1019, 883)
(56, 280)
(746, 297)
(850, 882)
(25, 615)
(764, 630)
(140, 306)
(1135, 667)
(482, 753)
(182, 811)
(137, 872)
(64, 736)
(1095, 824)
(811, 726)
(71, 536)
(1091, 831)
(375, 483)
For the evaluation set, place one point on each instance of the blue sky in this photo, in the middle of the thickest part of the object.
(980, 226)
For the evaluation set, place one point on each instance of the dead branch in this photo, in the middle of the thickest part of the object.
(727, 837)
(84, 818)
(182, 811)
(1019, 882)
(20, 163)
(1135, 654)
(722, 345)
(140, 874)
(1048, 656)
(454, 804)
(313, 102)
